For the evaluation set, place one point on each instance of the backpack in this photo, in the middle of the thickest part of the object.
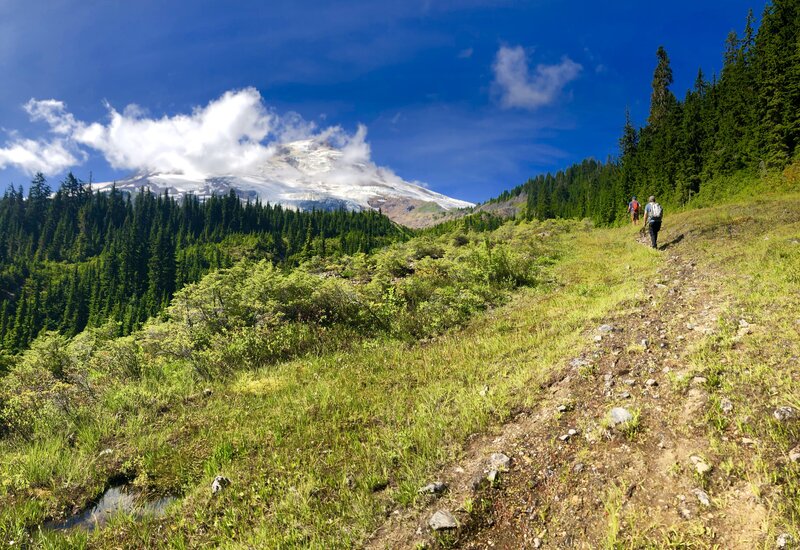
(635, 207)
(655, 211)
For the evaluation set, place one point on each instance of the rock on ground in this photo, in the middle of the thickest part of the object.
(499, 461)
(441, 520)
(619, 415)
(435, 488)
(785, 414)
(219, 483)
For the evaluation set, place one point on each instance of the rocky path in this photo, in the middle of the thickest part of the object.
(617, 444)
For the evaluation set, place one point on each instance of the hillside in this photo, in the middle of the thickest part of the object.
(80, 258)
(328, 397)
(702, 354)
(688, 151)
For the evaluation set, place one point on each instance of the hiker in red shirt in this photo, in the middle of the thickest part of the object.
(633, 210)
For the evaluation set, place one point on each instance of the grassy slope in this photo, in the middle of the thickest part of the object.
(320, 447)
(724, 264)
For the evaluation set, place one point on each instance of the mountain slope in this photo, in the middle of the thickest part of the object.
(709, 456)
(307, 174)
(320, 448)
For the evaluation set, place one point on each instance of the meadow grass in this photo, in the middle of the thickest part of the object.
(320, 448)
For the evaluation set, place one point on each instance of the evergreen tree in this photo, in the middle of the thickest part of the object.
(661, 100)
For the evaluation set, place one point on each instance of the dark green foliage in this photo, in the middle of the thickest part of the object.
(78, 258)
(747, 119)
(480, 221)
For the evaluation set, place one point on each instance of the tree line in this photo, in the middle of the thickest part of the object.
(747, 118)
(77, 258)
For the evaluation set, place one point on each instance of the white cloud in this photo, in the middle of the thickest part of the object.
(54, 113)
(517, 87)
(224, 136)
(231, 135)
(49, 157)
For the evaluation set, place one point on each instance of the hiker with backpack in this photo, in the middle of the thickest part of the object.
(652, 219)
(633, 210)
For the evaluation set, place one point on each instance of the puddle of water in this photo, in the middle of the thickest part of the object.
(120, 498)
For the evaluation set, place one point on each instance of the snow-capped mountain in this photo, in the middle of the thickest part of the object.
(305, 174)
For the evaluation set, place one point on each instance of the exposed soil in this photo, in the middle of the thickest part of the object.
(568, 493)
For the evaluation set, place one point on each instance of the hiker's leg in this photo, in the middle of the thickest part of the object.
(655, 227)
(651, 228)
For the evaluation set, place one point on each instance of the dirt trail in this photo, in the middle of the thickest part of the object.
(565, 491)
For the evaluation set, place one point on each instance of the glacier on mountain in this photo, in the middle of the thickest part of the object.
(303, 174)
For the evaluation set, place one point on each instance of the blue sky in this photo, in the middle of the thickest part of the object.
(470, 97)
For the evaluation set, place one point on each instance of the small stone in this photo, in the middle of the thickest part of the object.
(651, 382)
(499, 461)
(605, 329)
(702, 496)
(442, 520)
(537, 542)
(219, 483)
(743, 323)
(435, 488)
(794, 454)
(686, 513)
(699, 381)
(564, 437)
(645, 343)
(484, 391)
(630, 382)
(578, 468)
(725, 405)
(577, 363)
(700, 465)
(493, 475)
(208, 392)
(783, 540)
(105, 452)
(562, 408)
(749, 442)
(573, 432)
(625, 395)
(598, 338)
(785, 414)
(619, 415)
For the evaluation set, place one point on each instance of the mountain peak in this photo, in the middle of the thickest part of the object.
(305, 174)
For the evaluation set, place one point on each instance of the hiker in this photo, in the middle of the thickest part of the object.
(652, 219)
(633, 210)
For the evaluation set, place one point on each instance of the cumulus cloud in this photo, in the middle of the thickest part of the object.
(517, 87)
(51, 155)
(31, 156)
(233, 134)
